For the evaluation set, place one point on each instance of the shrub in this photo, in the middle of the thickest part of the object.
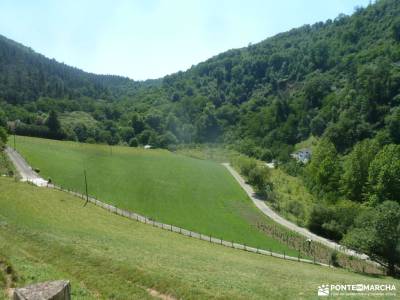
(90, 140)
(259, 177)
(133, 142)
(296, 208)
(333, 221)
(334, 259)
(245, 165)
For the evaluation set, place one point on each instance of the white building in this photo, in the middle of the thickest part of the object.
(303, 155)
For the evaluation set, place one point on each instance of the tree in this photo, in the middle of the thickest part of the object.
(333, 221)
(53, 124)
(167, 139)
(377, 233)
(3, 136)
(318, 126)
(137, 123)
(207, 125)
(393, 125)
(154, 120)
(259, 177)
(384, 175)
(396, 30)
(349, 129)
(315, 89)
(320, 54)
(355, 167)
(323, 170)
(3, 118)
(126, 133)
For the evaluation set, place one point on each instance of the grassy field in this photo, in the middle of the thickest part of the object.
(194, 194)
(292, 199)
(48, 235)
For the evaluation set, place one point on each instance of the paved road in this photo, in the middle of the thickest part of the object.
(277, 218)
(23, 168)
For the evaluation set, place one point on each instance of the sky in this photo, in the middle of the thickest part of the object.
(144, 39)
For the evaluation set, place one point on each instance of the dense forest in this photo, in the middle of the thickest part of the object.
(337, 81)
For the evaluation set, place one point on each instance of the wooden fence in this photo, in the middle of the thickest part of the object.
(185, 232)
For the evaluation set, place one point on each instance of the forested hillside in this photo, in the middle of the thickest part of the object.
(26, 75)
(339, 79)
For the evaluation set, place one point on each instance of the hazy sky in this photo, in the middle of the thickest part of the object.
(145, 39)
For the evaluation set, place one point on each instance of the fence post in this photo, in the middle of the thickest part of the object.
(210, 238)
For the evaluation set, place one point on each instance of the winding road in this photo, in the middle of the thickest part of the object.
(261, 205)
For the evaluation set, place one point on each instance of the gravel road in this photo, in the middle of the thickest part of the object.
(23, 168)
(277, 218)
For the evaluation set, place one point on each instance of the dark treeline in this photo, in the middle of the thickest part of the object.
(337, 80)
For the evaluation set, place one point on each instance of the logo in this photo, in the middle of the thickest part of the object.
(323, 290)
(360, 289)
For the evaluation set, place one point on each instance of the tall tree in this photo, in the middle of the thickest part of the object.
(377, 233)
(384, 175)
(53, 124)
(355, 167)
(323, 170)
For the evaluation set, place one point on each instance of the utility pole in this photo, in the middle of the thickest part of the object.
(86, 189)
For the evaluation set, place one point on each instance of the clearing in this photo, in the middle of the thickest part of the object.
(194, 194)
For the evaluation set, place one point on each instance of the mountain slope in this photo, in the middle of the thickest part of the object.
(340, 78)
(26, 75)
(308, 80)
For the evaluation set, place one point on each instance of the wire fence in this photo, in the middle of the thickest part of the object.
(146, 220)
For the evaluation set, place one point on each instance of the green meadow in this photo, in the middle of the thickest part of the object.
(48, 235)
(194, 194)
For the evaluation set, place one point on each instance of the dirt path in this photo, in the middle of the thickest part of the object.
(23, 168)
(278, 219)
